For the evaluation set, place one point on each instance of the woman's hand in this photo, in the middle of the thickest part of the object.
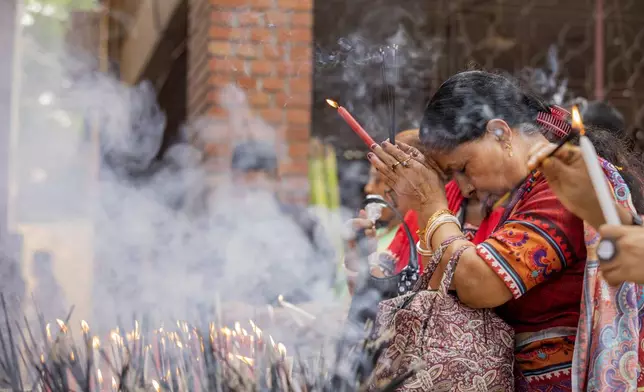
(352, 257)
(410, 174)
(627, 264)
(568, 178)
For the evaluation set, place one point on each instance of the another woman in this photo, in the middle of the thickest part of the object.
(478, 128)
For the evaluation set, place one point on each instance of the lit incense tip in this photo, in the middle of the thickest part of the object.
(576, 121)
(332, 103)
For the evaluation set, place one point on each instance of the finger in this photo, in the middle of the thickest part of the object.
(361, 224)
(371, 233)
(536, 148)
(382, 167)
(397, 153)
(362, 214)
(568, 153)
(385, 157)
(539, 153)
(615, 231)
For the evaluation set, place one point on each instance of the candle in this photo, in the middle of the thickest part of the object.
(353, 123)
(597, 177)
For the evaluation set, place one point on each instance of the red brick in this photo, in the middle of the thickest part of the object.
(258, 4)
(292, 100)
(273, 116)
(273, 52)
(295, 35)
(298, 116)
(226, 33)
(300, 53)
(258, 99)
(262, 67)
(248, 51)
(297, 133)
(218, 80)
(225, 18)
(295, 167)
(250, 18)
(302, 19)
(276, 18)
(261, 34)
(246, 82)
(273, 84)
(227, 65)
(220, 48)
(304, 5)
(300, 85)
(289, 68)
(298, 150)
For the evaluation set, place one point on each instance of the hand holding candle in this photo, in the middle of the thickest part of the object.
(597, 177)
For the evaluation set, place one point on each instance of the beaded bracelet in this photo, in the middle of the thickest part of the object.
(438, 254)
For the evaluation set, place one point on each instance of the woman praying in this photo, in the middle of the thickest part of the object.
(529, 265)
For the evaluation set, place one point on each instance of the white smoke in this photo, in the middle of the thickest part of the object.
(140, 235)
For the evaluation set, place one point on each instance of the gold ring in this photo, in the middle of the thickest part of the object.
(405, 163)
(393, 167)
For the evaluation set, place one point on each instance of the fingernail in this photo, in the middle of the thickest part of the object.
(370, 155)
(373, 146)
(385, 143)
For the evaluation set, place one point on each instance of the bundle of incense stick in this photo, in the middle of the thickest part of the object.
(47, 357)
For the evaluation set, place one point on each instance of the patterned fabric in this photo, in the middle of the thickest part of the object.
(464, 349)
(609, 350)
(538, 250)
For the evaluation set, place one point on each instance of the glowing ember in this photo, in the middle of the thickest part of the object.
(114, 384)
(281, 349)
(99, 376)
(84, 326)
(96, 343)
(156, 385)
(333, 104)
(62, 325)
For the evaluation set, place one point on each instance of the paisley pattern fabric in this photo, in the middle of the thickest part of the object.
(456, 348)
(609, 350)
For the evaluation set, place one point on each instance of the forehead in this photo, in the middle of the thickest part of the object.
(457, 157)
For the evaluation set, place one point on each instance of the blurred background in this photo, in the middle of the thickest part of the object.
(287, 57)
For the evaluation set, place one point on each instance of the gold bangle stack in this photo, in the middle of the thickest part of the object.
(438, 219)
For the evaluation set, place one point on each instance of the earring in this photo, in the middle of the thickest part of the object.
(508, 147)
(498, 133)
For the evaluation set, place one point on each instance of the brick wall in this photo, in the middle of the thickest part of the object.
(265, 48)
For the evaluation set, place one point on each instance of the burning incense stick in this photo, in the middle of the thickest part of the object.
(294, 308)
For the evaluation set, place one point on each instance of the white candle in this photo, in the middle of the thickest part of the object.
(604, 194)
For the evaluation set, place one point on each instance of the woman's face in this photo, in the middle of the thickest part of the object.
(376, 186)
(487, 167)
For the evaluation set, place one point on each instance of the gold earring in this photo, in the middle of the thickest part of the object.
(508, 147)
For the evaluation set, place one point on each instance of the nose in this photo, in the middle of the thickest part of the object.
(467, 189)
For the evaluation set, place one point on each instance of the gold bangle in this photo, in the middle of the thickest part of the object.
(435, 216)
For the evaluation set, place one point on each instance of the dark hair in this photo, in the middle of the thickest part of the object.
(602, 115)
(461, 108)
(253, 156)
